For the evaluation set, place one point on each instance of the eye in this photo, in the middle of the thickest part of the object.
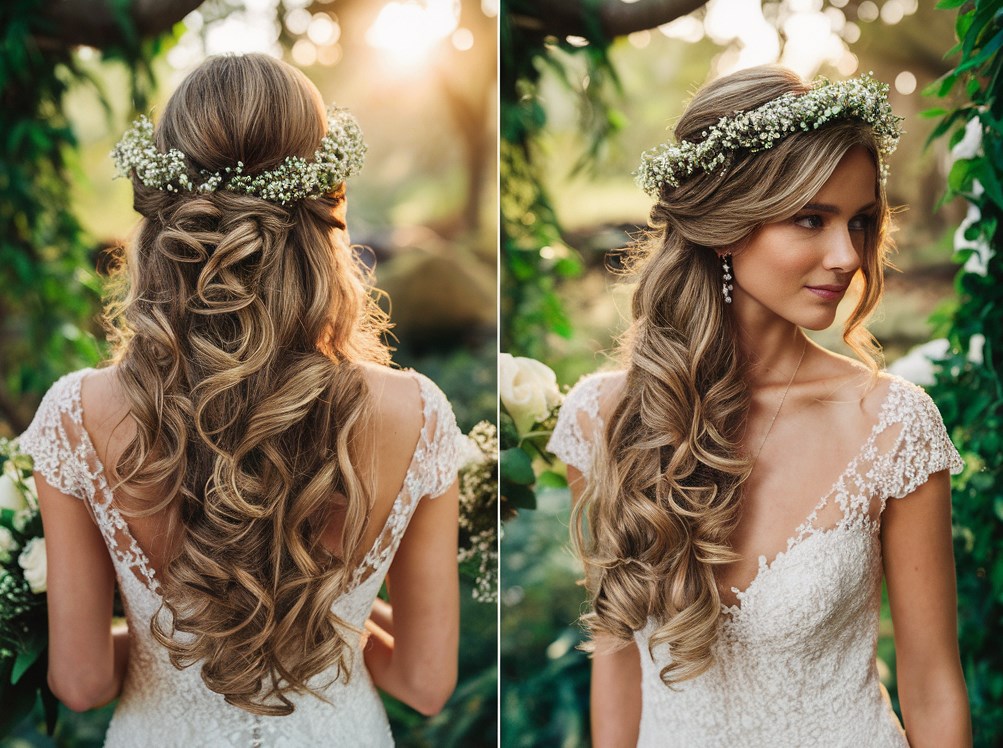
(863, 222)
(810, 221)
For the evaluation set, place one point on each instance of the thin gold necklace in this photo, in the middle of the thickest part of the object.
(776, 413)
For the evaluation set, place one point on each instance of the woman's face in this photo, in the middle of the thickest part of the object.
(798, 269)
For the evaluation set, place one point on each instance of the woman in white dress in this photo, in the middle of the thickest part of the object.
(247, 466)
(740, 489)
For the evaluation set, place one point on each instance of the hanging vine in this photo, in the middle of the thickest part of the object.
(49, 292)
(968, 388)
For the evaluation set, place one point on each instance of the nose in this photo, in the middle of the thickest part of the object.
(843, 254)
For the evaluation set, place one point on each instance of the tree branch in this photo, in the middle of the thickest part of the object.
(616, 17)
(94, 23)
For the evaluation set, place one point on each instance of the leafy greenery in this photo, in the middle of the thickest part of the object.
(534, 254)
(969, 392)
(49, 292)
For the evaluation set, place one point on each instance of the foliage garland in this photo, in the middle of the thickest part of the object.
(49, 293)
(969, 392)
(534, 255)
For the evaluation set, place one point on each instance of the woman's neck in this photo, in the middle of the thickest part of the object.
(771, 352)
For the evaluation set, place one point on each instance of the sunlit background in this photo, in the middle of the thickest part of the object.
(420, 75)
(421, 78)
(900, 41)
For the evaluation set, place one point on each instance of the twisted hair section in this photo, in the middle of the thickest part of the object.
(239, 328)
(663, 497)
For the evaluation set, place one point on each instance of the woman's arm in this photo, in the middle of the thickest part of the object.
(615, 692)
(919, 568)
(86, 659)
(412, 648)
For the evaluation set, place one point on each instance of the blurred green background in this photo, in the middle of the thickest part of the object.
(577, 116)
(420, 77)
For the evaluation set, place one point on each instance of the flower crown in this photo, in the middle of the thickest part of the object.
(340, 156)
(861, 98)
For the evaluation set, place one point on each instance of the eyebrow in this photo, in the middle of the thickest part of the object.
(827, 208)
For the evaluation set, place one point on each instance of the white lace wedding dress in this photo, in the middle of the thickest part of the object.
(161, 706)
(795, 659)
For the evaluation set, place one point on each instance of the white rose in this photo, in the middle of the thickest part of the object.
(10, 469)
(32, 560)
(7, 545)
(528, 390)
(32, 494)
(10, 494)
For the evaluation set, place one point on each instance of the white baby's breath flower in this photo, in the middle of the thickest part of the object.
(528, 390)
(22, 517)
(10, 494)
(7, 545)
(32, 560)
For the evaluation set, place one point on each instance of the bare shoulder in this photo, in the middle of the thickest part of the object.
(396, 400)
(840, 379)
(611, 388)
(103, 400)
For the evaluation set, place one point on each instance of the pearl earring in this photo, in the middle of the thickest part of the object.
(727, 287)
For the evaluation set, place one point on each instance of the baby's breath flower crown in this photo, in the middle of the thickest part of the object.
(340, 156)
(861, 98)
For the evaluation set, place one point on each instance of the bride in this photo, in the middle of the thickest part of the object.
(247, 467)
(741, 491)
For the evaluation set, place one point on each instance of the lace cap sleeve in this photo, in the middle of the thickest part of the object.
(53, 438)
(578, 423)
(924, 447)
(441, 439)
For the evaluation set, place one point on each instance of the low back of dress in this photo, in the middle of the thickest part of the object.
(795, 659)
(163, 706)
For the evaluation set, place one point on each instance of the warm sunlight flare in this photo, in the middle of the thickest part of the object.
(407, 31)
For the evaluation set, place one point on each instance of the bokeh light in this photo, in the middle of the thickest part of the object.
(905, 82)
(407, 31)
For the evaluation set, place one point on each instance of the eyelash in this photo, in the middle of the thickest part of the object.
(868, 221)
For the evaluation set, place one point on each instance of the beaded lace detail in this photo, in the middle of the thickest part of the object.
(162, 706)
(794, 663)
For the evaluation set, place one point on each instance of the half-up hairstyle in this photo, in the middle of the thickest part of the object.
(239, 327)
(663, 495)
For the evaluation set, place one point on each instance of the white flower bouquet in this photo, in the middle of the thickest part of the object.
(530, 402)
(478, 552)
(23, 615)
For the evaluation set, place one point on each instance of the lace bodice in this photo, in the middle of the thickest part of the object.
(162, 706)
(795, 658)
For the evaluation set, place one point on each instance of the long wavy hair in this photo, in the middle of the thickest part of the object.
(664, 493)
(238, 330)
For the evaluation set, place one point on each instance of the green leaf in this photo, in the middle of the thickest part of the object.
(516, 466)
(518, 496)
(551, 479)
(27, 657)
(949, 4)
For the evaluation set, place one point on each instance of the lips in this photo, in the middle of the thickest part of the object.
(828, 292)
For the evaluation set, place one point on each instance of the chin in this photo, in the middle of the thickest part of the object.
(816, 322)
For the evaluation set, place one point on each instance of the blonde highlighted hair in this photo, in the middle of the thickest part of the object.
(663, 497)
(239, 327)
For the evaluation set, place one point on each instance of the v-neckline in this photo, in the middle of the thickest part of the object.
(146, 568)
(804, 530)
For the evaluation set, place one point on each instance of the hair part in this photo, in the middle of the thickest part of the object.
(663, 499)
(238, 329)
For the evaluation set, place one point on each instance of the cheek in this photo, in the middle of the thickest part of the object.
(777, 264)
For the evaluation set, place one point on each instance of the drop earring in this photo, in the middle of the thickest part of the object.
(726, 287)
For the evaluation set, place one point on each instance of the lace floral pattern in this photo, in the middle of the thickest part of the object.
(795, 658)
(162, 706)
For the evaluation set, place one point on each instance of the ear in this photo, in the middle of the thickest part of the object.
(734, 248)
